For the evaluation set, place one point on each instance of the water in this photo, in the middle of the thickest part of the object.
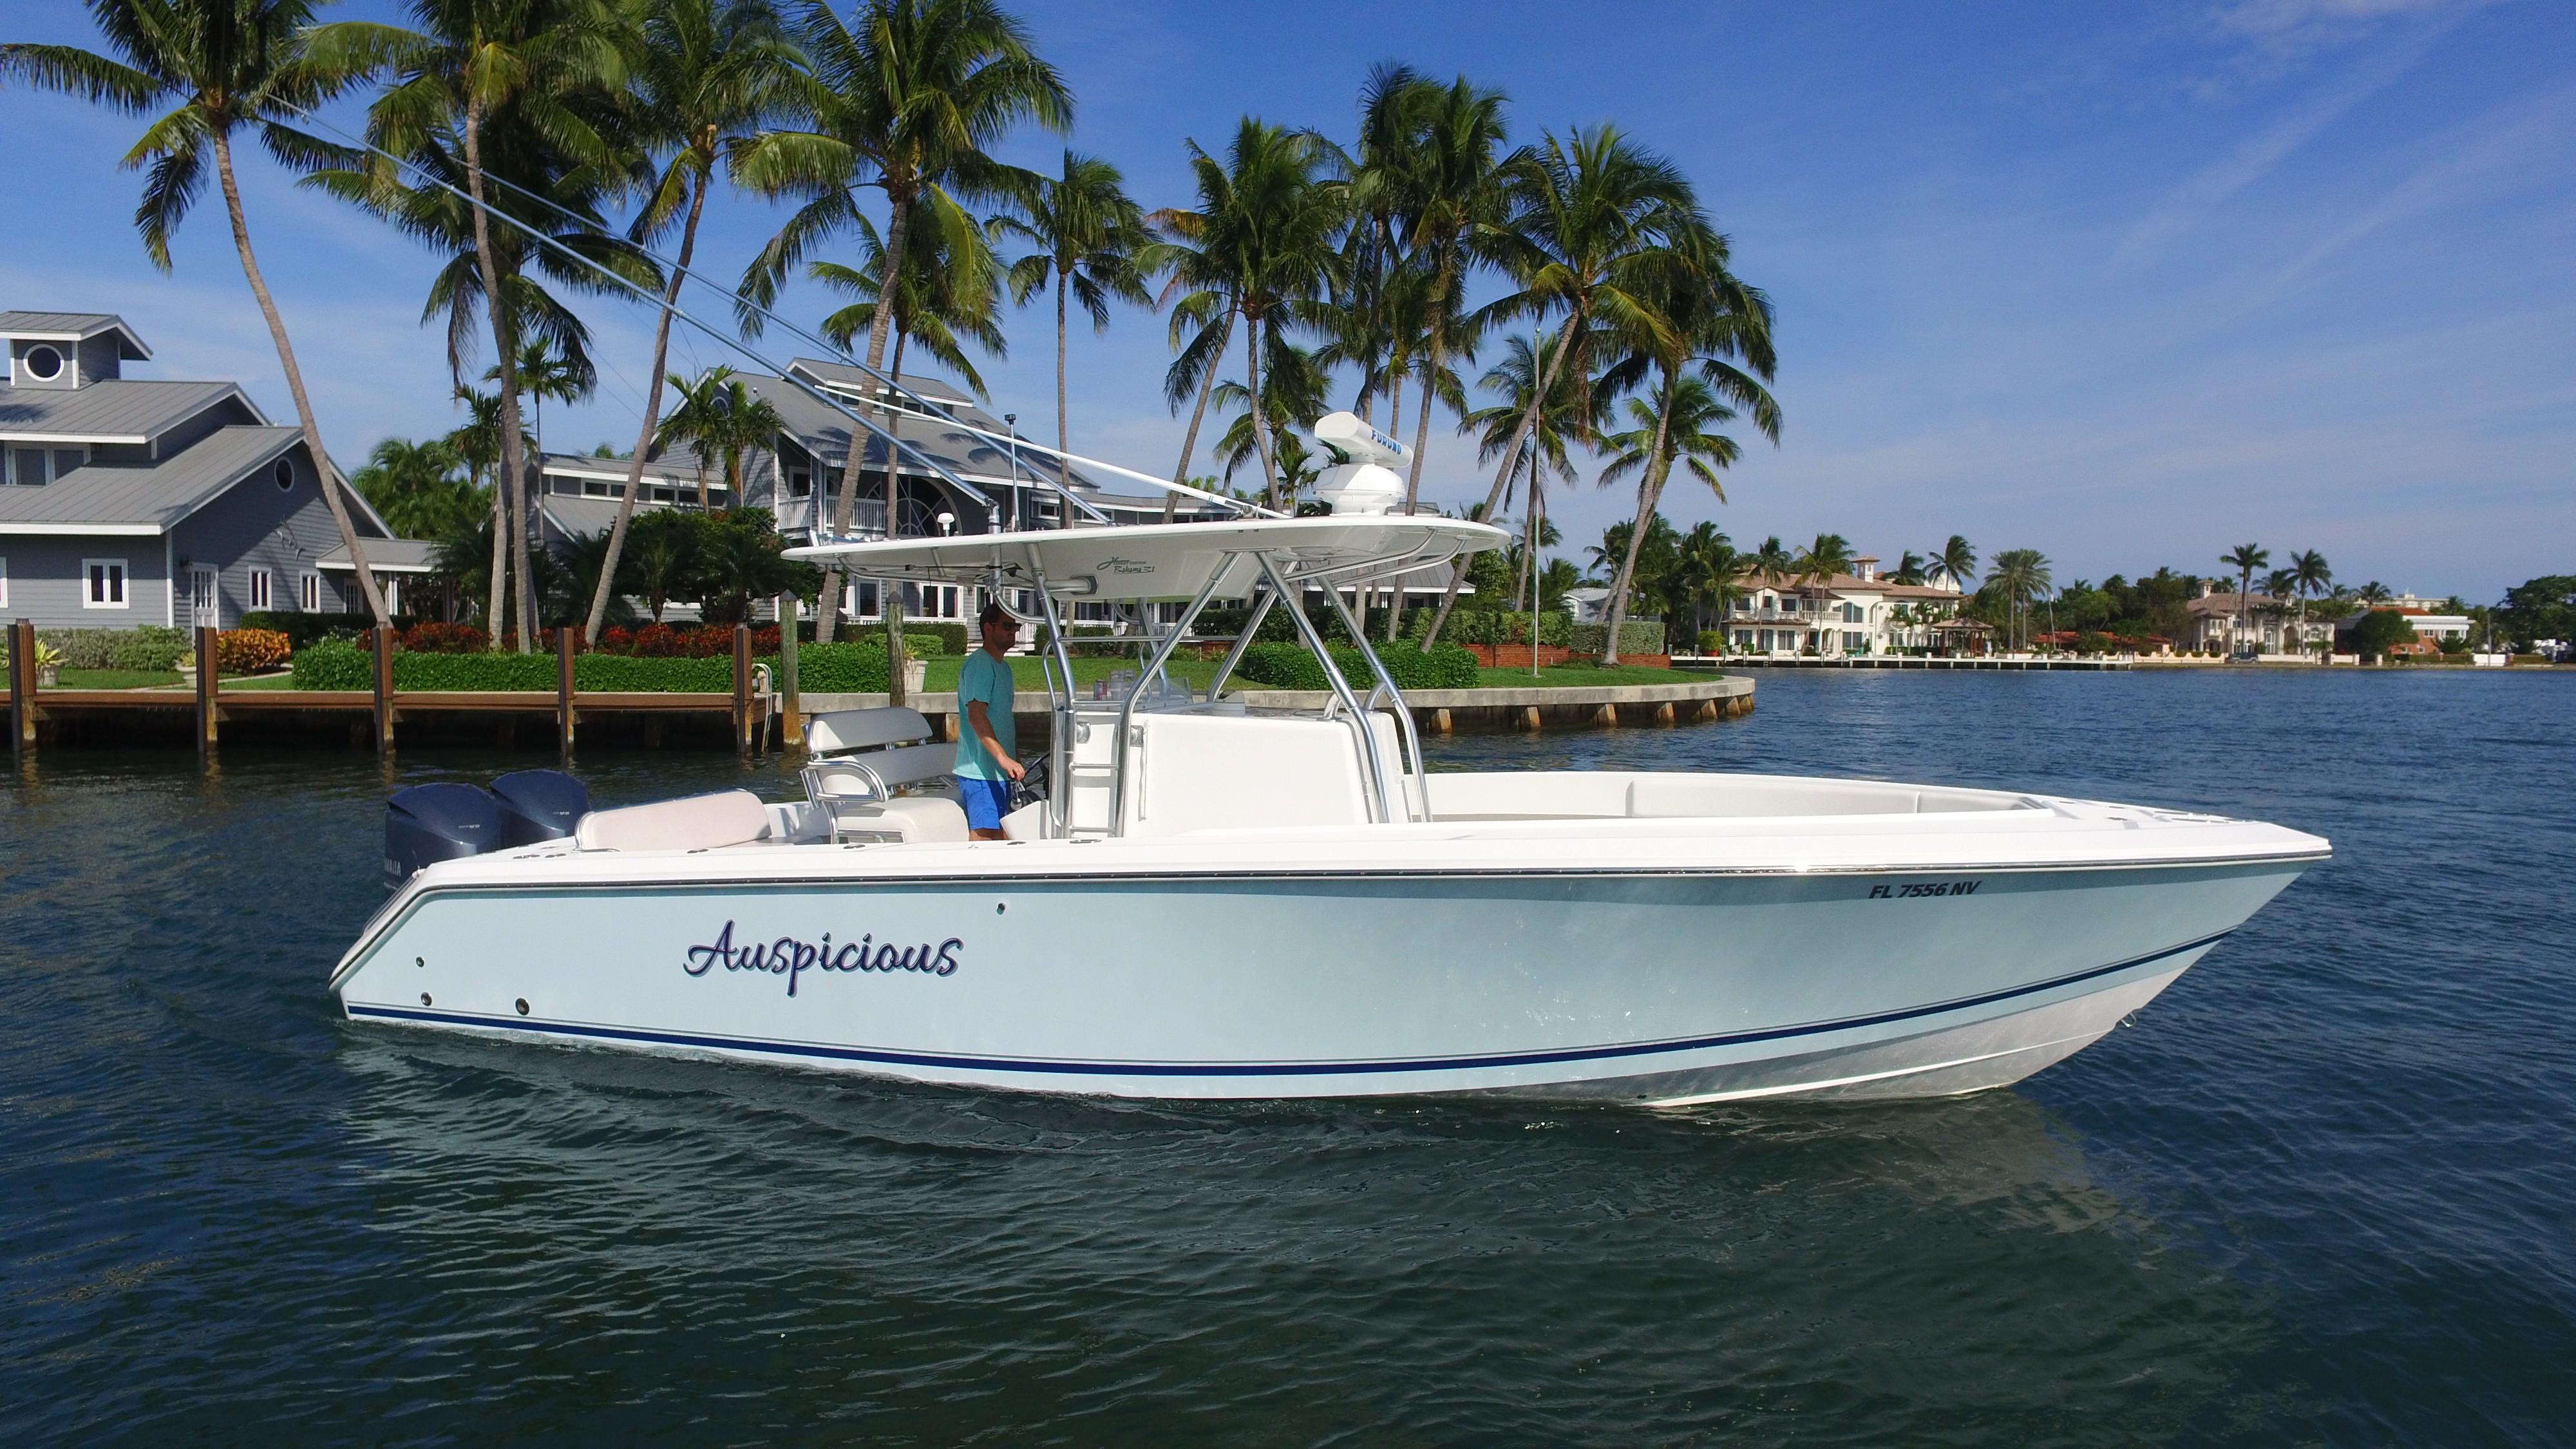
(2322, 1192)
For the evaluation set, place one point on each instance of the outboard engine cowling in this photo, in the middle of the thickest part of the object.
(539, 805)
(425, 824)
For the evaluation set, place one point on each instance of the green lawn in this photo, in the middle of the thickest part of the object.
(1574, 676)
(118, 678)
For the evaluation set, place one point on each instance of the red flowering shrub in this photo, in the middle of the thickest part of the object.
(436, 638)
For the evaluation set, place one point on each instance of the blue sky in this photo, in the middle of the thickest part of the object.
(2128, 284)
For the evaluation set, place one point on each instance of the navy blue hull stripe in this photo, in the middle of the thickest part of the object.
(1254, 1069)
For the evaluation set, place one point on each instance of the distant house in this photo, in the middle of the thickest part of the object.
(2432, 628)
(1845, 614)
(132, 501)
(2222, 621)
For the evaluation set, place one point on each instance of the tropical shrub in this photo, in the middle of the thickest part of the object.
(149, 651)
(302, 629)
(1496, 626)
(334, 664)
(338, 664)
(1712, 641)
(251, 651)
(431, 637)
(1293, 666)
(1636, 636)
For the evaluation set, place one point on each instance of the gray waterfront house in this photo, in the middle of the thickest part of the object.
(128, 501)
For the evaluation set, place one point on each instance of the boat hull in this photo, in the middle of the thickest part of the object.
(1636, 986)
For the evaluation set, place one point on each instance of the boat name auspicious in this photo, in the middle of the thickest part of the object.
(792, 958)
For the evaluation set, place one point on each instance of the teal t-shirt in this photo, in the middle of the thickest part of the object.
(988, 679)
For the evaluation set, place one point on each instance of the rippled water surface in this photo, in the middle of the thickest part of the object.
(2322, 1191)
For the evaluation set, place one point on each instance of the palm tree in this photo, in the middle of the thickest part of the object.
(662, 555)
(1955, 561)
(951, 294)
(478, 443)
(525, 86)
(1257, 247)
(1910, 570)
(219, 65)
(1591, 218)
(906, 97)
(1712, 573)
(744, 423)
(2311, 576)
(2245, 558)
(2016, 576)
(1677, 426)
(1294, 386)
(695, 422)
(708, 74)
(1773, 560)
(2374, 592)
(415, 487)
(1091, 247)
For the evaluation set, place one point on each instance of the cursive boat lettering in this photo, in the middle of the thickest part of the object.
(789, 957)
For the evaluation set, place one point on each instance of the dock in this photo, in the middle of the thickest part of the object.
(750, 718)
(2097, 665)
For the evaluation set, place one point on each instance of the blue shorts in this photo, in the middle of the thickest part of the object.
(987, 801)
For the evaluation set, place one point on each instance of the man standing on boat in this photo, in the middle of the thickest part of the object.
(988, 748)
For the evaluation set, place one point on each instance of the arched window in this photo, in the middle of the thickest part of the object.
(43, 363)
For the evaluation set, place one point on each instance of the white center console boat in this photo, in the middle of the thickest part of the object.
(1214, 902)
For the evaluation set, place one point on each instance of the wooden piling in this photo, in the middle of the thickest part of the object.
(22, 689)
(742, 691)
(1529, 717)
(1606, 717)
(791, 722)
(1440, 721)
(567, 640)
(383, 683)
(209, 674)
(1664, 713)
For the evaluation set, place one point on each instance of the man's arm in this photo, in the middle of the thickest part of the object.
(980, 720)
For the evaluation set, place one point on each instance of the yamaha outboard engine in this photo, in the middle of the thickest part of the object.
(539, 805)
(425, 824)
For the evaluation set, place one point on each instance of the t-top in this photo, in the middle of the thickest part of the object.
(988, 679)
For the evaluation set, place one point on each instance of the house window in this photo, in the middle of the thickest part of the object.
(308, 593)
(1788, 604)
(43, 363)
(1851, 613)
(259, 589)
(27, 466)
(104, 583)
(284, 473)
(1851, 642)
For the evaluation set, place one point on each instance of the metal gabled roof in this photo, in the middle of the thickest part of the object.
(74, 327)
(145, 499)
(118, 410)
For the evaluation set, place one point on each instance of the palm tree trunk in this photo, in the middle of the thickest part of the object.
(652, 416)
(1573, 334)
(497, 618)
(1649, 490)
(1260, 431)
(322, 469)
(514, 458)
(1063, 432)
(1413, 474)
(1190, 439)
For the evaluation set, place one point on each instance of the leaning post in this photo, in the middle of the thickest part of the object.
(209, 662)
(742, 691)
(791, 722)
(22, 689)
(567, 639)
(384, 688)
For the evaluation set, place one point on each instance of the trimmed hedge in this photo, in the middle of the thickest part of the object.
(1636, 636)
(1494, 626)
(150, 648)
(824, 668)
(302, 629)
(1293, 666)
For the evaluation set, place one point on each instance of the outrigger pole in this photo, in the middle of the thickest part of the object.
(929, 409)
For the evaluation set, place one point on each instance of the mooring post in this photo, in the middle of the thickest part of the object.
(791, 721)
(567, 639)
(742, 691)
(208, 665)
(1529, 717)
(22, 689)
(383, 635)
